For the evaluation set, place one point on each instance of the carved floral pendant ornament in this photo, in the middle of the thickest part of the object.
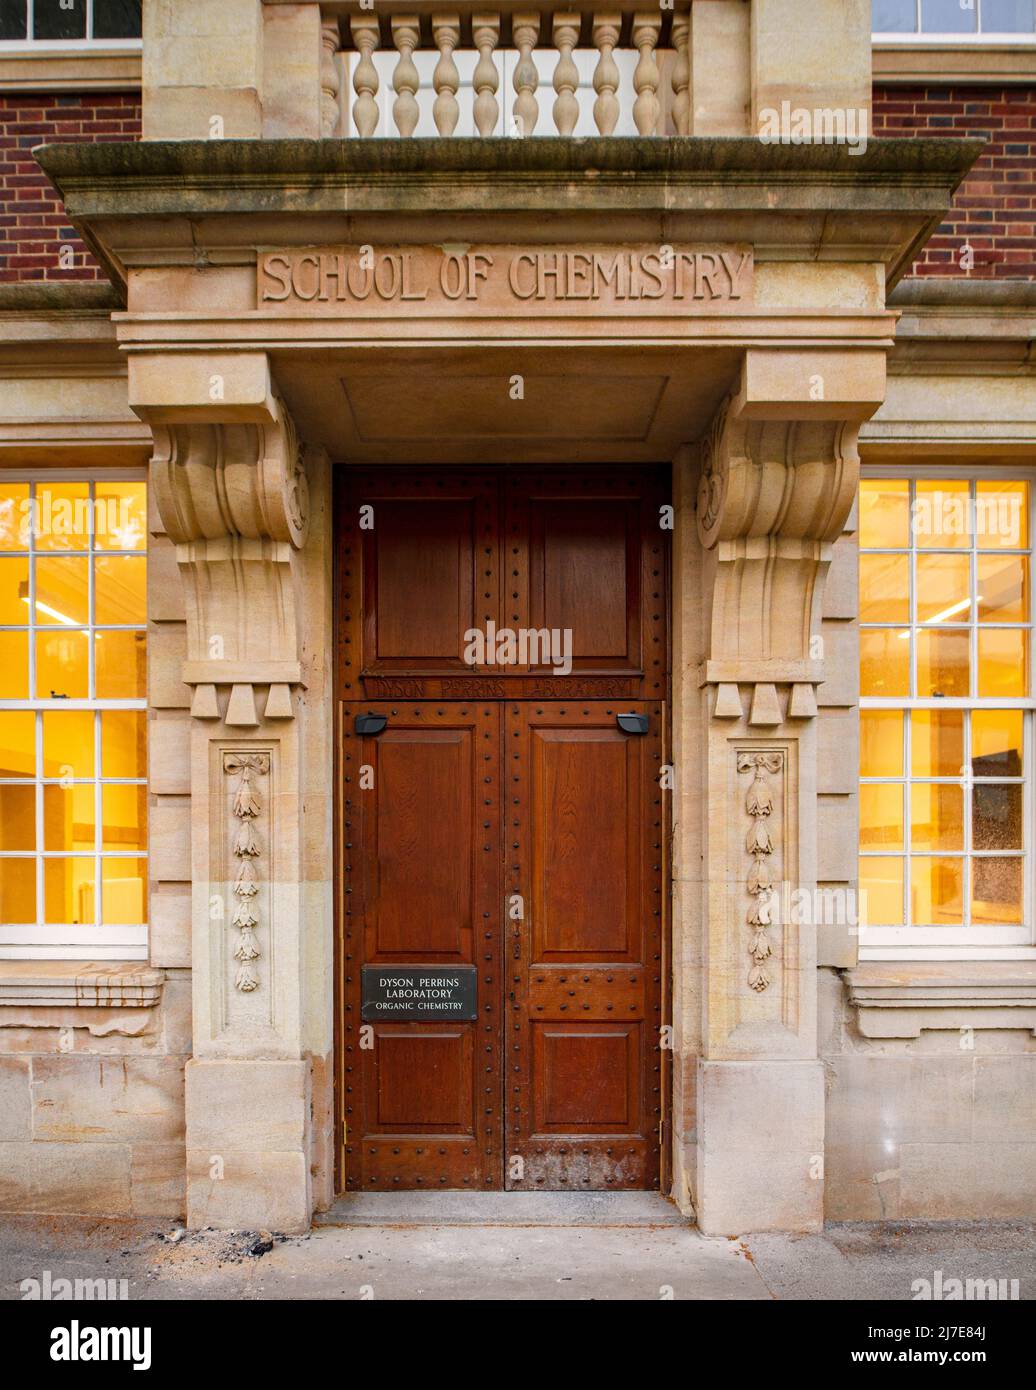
(759, 805)
(246, 808)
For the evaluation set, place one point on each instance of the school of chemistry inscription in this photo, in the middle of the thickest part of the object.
(505, 280)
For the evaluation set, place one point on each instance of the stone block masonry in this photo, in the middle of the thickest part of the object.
(33, 225)
(994, 210)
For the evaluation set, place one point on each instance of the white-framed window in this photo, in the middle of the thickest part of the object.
(70, 23)
(73, 715)
(954, 21)
(946, 722)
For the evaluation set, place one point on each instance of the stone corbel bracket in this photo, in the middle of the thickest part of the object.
(232, 496)
(774, 494)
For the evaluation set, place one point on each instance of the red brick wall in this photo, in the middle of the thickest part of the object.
(994, 211)
(33, 226)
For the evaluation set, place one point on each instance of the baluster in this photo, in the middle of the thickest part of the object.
(646, 78)
(446, 78)
(485, 30)
(406, 34)
(329, 78)
(525, 29)
(606, 74)
(365, 79)
(682, 74)
(566, 74)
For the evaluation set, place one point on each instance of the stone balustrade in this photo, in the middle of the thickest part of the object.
(570, 72)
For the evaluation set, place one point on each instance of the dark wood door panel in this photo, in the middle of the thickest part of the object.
(421, 850)
(584, 833)
(421, 867)
(424, 558)
(495, 786)
(418, 566)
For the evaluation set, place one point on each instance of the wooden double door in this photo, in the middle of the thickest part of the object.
(501, 831)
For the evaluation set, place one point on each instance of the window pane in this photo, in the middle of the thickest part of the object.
(881, 743)
(940, 517)
(120, 592)
(996, 743)
(62, 591)
(17, 743)
(996, 892)
(996, 815)
(124, 818)
(124, 743)
(116, 19)
(1007, 16)
(14, 665)
(884, 589)
(881, 815)
(943, 662)
(68, 891)
(59, 19)
(1003, 589)
(14, 513)
(1002, 515)
(1003, 662)
(937, 743)
(936, 892)
(121, 670)
(14, 590)
(120, 516)
(885, 513)
(69, 817)
(943, 588)
(884, 661)
(881, 891)
(936, 816)
(61, 516)
(18, 891)
(68, 743)
(18, 817)
(62, 664)
(946, 17)
(124, 898)
(893, 17)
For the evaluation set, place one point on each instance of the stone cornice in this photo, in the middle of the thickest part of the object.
(879, 205)
(969, 327)
(44, 297)
(894, 163)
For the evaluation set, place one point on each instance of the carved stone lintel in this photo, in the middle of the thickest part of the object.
(247, 850)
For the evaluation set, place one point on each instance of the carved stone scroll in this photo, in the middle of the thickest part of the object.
(773, 496)
(233, 498)
(247, 850)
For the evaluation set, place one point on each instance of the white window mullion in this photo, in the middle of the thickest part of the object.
(89, 937)
(1003, 941)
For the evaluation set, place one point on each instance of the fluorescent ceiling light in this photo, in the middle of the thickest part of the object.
(946, 613)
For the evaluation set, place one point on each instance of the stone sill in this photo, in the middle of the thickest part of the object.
(79, 984)
(94, 69)
(945, 63)
(897, 999)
